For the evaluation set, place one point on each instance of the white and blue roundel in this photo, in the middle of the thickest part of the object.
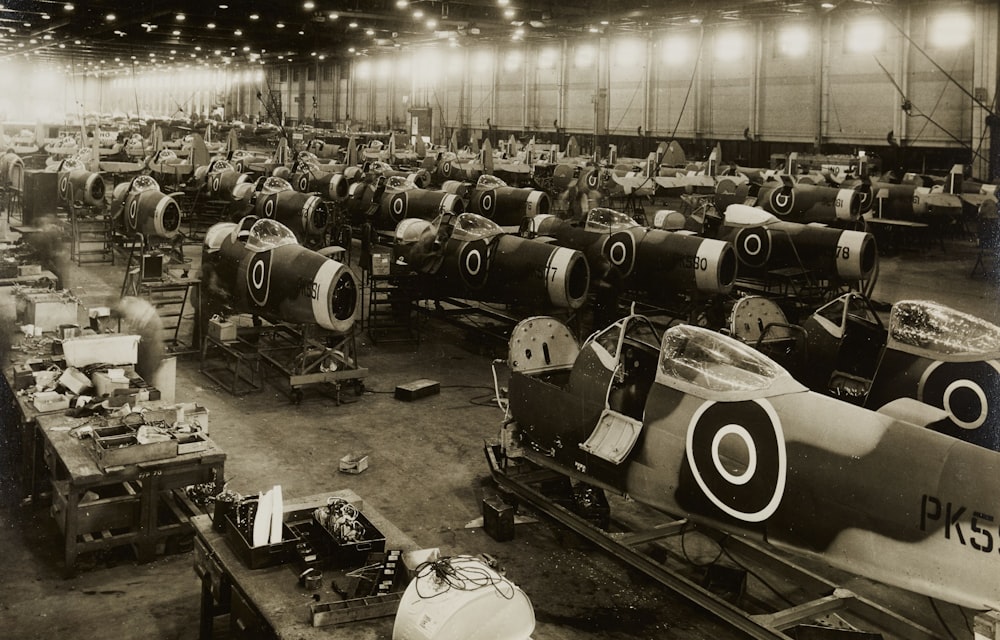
(782, 201)
(259, 278)
(487, 202)
(968, 391)
(473, 267)
(620, 250)
(736, 451)
(132, 211)
(397, 206)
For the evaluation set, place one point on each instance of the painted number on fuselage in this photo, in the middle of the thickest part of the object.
(980, 535)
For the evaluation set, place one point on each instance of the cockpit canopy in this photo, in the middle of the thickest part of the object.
(489, 182)
(931, 327)
(399, 183)
(222, 165)
(267, 234)
(472, 226)
(72, 164)
(144, 183)
(694, 358)
(604, 220)
(275, 184)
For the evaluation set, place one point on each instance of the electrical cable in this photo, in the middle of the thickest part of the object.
(944, 625)
(694, 73)
(467, 576)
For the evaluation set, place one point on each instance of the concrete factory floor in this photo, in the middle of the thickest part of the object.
(427, 475)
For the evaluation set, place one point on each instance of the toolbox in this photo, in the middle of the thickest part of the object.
(116, 446)
(268, 555)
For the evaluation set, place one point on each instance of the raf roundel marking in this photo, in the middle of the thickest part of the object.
(964, 390)
(959, 388)
(782, 201)
(269, 208)
(747, 489)
(618, 254)
(486, 202)
(592, 180)
(303, 183)
(397, 206)
(753, 247)
(64, 186)
(473, 262)
(258, 278)
(216, 184)
(133, 214)
(734, 430)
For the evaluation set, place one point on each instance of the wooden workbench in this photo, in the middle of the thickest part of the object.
(269, 602)
(139, 504)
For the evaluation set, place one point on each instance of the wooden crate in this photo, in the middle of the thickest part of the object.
(119, 446)
(116, 508)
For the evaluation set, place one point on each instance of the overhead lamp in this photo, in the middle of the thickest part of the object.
(46, 16)
(333, 16)
(352, 24)
(110, 17)
(280, 25)
(594, 30)
(369, 32)
(503, 3)
(68, 6)
(418, 14)
(694, 20)
(223, 6)
(210, 25)
(301, 32)
(432, 23)
(509, 13)
(180, 17)
(827, 5)
(175, 32)
(402, 4)
(309, 5)
(255, 16)
(238, 32)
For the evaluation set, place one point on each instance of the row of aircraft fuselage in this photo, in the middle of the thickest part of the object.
(899, 482)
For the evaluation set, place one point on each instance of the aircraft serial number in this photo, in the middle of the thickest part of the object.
(310, 290)
(694, 263)
(979, 534)
(843, 253)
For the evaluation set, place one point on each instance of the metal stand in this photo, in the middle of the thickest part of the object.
(304, 359)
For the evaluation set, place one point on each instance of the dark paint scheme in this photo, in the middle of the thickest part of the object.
(468, 256)
(702, 425)
(256, 266)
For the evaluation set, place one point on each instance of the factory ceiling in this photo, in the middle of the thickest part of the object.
(112, 33)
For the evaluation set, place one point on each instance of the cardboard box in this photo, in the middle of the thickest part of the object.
(353, 463)
(74, 381)
(113, 349)
(46, 401)
(222, 330)
(105, 385)
(192, 443)
(49, 310)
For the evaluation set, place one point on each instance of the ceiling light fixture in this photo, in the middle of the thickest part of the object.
(418, 14)
(210, 25)
(255, 16)
(238, 32)
(68, 6)
(280, 25)
(333, 16)
(309, 5)
(180, 17)
(353, 25)
(110, 17)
